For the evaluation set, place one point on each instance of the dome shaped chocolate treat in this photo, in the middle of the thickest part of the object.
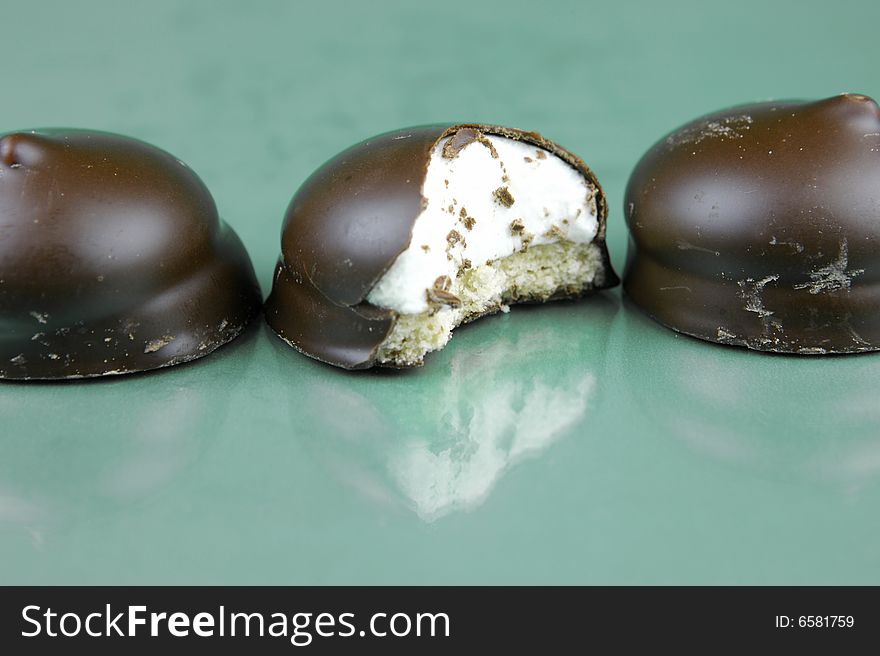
(759, 226)
(112, 259)
(398, 240)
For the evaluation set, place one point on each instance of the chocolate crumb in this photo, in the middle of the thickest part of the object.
(540, 154)
(446, 182)
(451, 209)
(455, 237)
(502, 197)
(554, 232)
(465, 265)
(463, 138)
(438, 297)
(443, 283)
(528, 159)
(458, 141)
(517, 226)
(439, 293)
(426, 248)
(591, 200)
(468, 221)
(488, 144)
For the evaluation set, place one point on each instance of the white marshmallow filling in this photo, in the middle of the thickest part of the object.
(504, 221)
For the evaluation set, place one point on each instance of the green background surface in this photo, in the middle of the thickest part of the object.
(575, 443)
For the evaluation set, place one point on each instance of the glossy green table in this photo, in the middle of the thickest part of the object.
(574, 443)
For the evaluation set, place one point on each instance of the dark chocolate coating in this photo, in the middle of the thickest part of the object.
(759, 226)
(348, 223)
(112, 259)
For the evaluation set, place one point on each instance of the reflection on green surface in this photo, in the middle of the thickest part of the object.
(72, 452)
(439, 439)
(814, 419)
